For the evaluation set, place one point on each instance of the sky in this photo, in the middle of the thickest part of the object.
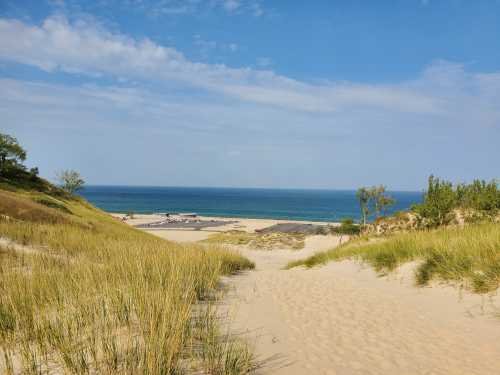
(254, 93)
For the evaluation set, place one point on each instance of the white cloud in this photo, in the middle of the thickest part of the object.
(159, 131)
(264, 62)
(158, 8)
(84, 47)
(243, 6)
(231, 5)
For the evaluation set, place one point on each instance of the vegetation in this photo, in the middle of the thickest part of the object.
(470, 255)
(363, 196)
(12, 155)
(442, 197)
(264, 241)
(347, 226)
(15, 176)
(70, 180)
(373, 200)
(92, 295)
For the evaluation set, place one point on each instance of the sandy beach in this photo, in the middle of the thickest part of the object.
(186, 235)
(344, 319)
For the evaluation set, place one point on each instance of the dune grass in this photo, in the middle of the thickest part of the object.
(468, 255)
(98, 296)
(261, 241)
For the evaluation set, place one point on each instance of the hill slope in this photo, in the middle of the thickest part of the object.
(93, 295)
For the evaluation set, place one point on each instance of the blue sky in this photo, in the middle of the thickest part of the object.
(249, 93)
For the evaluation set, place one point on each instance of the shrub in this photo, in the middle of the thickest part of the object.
(441, 198)
(347, 226)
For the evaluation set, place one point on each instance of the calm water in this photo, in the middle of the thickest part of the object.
(316, 205)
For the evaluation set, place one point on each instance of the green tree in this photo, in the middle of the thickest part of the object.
(70, 180)
(11, 155)
(381, 200)
(364, 197)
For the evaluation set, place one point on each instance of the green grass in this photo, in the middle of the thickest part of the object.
(468, 255)
(268, 241)
(101, 297)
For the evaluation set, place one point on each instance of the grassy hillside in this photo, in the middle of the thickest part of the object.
(93, 295)
(470, 254)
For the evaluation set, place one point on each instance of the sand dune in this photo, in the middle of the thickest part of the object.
(343, 319)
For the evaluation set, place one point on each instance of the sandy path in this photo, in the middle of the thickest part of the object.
(342, 319)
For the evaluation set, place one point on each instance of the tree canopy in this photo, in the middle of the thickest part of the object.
(70, 180)
(12, 155)
(373, 200)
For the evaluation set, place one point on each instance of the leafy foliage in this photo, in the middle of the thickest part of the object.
(70, 180)
(373, 200)
(11, 156)
(363, 195)
(347, 226)
(441, 198)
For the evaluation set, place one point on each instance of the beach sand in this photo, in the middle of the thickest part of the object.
(342, 318)
(186, 235)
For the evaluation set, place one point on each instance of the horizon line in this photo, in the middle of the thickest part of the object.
(242, 188)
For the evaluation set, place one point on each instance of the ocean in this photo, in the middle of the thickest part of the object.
(290, 204)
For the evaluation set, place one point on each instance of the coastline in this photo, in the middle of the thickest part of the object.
(249, 225)
(239, 203)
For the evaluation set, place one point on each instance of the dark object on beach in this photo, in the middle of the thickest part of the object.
(292, 228)
(185, 224)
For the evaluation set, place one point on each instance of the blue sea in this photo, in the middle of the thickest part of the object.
(291, 204)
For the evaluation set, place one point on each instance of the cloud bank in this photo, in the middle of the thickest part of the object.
(87, 48)
(216, 121)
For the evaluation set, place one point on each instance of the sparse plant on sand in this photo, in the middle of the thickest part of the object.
(347, 226)
(262, 241)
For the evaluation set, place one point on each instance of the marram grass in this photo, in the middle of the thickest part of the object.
(99, 297)
(469, 255)
(260, 241)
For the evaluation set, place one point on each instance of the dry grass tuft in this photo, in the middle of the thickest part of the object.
(267, 241)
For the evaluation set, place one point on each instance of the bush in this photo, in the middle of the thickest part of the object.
(347, 226)
(441, 198)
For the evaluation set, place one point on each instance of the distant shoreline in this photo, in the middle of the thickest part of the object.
(227, 218)
(297, 205)
(141, 218)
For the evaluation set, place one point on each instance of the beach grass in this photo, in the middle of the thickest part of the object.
(468, 255)
(259, 241)
(89, 294)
